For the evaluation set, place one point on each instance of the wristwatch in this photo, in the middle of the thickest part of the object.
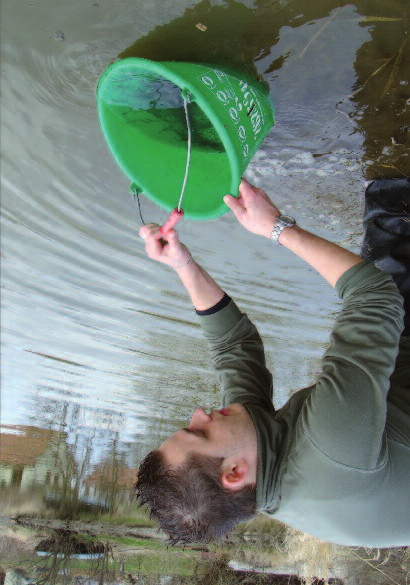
(283, 221)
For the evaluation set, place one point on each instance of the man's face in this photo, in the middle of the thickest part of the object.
(221, 433)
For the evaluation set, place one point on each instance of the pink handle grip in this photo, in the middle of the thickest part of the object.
(171, 221)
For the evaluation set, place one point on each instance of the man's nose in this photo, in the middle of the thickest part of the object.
(199, 417)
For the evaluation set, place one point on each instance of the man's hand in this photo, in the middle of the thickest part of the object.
(256, 212)
(202, 289)
(253, 209)
(169, 251)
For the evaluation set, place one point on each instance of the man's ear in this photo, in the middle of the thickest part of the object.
(235, 474)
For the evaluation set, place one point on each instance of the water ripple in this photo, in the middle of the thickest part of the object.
(69, 76)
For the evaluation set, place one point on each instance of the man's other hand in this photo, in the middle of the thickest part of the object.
(169, 251)
(253, 209)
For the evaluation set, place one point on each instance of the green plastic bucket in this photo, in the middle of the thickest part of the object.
(141, 112)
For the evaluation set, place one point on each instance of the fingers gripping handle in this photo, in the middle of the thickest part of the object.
(171, 221)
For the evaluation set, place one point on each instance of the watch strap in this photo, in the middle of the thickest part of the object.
(283, 222)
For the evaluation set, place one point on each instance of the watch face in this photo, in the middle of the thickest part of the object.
(287, 220)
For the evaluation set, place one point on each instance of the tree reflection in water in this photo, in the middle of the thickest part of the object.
(241, 37)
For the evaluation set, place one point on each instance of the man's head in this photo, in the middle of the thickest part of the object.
(201, 481)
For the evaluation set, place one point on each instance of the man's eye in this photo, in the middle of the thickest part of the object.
(199, 433)
(196, 432)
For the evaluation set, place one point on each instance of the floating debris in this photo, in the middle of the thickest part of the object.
(59, 36)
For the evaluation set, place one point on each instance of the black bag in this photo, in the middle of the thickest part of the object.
(386, 221)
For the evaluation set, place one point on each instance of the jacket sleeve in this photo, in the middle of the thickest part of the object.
(344, 416)
(238, 357)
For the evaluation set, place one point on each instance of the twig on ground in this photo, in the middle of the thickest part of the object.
(372, 75)
(329, 20)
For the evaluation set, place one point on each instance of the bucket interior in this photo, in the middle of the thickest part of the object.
(143, 121)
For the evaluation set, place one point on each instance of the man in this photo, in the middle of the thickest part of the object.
(334, 461)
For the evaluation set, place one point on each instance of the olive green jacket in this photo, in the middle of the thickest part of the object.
(334, 461)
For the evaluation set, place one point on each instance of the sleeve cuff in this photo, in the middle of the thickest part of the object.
(218, 307)
(219, 323)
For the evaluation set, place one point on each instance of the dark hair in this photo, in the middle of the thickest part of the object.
(190, 502)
